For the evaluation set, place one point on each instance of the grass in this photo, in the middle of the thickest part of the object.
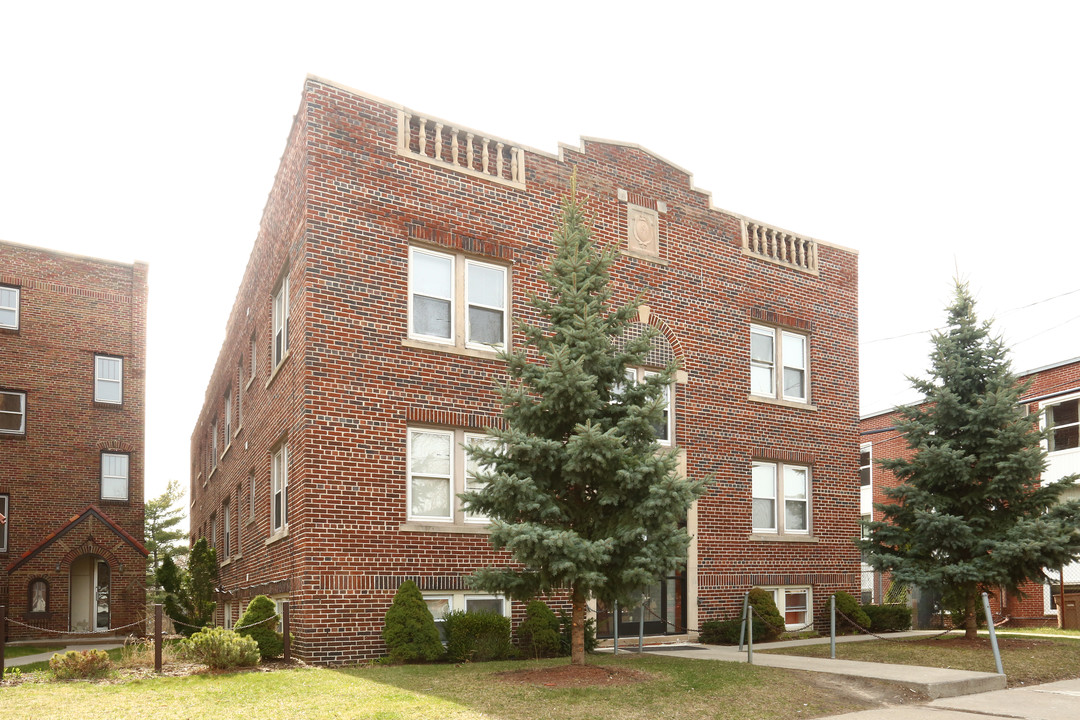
(1025, 660)
(16, 651)
(677, 688)
(1035, 631)
(116, 655)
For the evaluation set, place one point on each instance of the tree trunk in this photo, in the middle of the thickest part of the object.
(577, 628)
(971, 624)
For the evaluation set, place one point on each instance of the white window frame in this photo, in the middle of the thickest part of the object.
(213, 446)
(228, 418)
(469, 342)
(279, 484)
(254, 362)
(21, 413)
(669, 409)
(126, 477)
(461, 600)
(228, 620)
(252, 493)
(471, 438)
(99, 381)
(460, 331)
(449, 477)
(779, 594)
(778, 364)
(5, 510)
(11, 308)
(226, 527)
(452, 299)
(1044, 422)
(780, 498)
(213, 530)
(279, 339)
(867, 448)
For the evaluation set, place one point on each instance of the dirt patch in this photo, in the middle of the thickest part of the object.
(878, 693)
(561, 676)
(981, 643)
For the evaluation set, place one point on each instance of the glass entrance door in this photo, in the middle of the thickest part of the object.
(101, 596)
(664, 611)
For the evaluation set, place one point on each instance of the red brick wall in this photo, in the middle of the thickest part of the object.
(1026, 608)
(342, 214)
(71, 308)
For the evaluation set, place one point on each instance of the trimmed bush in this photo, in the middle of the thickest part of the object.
(80, 665)
(477, 636)
(565, 623)
(259, 622)
(726, 632)
(765, 610)
(888, 618)
(538, 633)
(222, 649)
(847, 605)
(409, 629)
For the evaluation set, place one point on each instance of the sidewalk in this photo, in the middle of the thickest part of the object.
(932, 682)
(45, 656)
(1051, 701)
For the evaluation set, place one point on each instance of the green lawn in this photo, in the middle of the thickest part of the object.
(1035, 631)
(677, 688)
(15, 651)
(1025, 660)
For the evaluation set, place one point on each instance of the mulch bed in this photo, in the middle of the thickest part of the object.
(561, 676)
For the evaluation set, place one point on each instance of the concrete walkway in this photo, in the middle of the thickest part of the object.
(46, 656)
(932, 682)
(1050, 701)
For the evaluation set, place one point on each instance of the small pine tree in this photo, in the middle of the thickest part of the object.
(409, 628)
(202, 583)
(970, 513)
(849, 615)
(260, 622)
(161, 536)
(578, 489)
(170, 578)
(765, 610)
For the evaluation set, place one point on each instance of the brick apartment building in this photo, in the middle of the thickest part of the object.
(1054, 396)
(72, 364)
(393, 251)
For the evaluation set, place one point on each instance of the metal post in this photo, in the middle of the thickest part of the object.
(641, 626)
(3, 637)
(832, 627)
(157, 637)
(750, 634)
(285, 629)
(1061, 598)
(742, 630)
(993, 635)
(615, 624)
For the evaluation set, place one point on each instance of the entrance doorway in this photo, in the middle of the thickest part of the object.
(664, 610)
(90, 594)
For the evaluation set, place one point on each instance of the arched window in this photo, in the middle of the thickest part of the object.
(38, 596)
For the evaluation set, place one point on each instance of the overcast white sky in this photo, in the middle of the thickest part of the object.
(930, 136)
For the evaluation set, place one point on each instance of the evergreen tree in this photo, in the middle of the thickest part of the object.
(970, 513)
(578, 489)
(189, 594)
(160, 534)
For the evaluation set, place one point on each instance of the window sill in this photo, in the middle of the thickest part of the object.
(276, 537)
(225, 562)
(251, 520)
(225, 451)
(277, 369)
(114, 501)
(762, 537)
(251, 379)
(452, 349)
(108, 405)
(458, 529)
(236, 433)
(782, 403)
(211, 475)
(12, 436)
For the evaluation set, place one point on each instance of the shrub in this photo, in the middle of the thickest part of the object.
(222, 649)
(477, 636)
(847, 605)
(538, 633)
(726, 632)
(85, 664)
(409, 629)
(765, 610)
(565, 623)
(888, 618)
(256, 624)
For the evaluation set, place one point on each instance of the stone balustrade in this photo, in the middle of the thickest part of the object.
(779, 246)
(461, 149)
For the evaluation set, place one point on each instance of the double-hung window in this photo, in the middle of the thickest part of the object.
(228, 418)
(794, 606)
(213, 446)
(108, 379)
(431, 476)
(780, 498)
(665, 429)
(114, 476)
(226, 526)
(281, 322)
(4, 512)
(1062, 420)
(12, 412)
(9, 307)
(472, 467)
(457, 301)
(279, 490)
(779, 364)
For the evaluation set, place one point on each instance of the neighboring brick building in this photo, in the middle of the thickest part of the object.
(1054, 395)
(72, 368)
(394, 249)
